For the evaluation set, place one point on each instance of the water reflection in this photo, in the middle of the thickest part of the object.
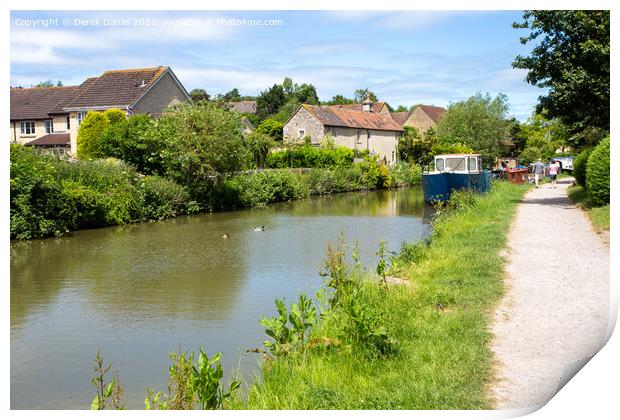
(137, 292)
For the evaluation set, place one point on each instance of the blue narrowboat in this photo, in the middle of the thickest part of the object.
(455, 172)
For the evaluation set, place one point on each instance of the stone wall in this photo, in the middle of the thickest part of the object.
(306, 122)
(420, 120)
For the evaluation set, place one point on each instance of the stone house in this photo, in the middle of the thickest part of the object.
(422, 117)
(50, 117)
(357, 129)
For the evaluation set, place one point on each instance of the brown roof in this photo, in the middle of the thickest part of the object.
(375, 107)
(244, 107)
(54, 139)
(401, 117)
(434, 112)
(341, 117)
(116, 88)
(38, 103)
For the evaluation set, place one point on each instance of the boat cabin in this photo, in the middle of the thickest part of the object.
(452, 173)
(458, 163)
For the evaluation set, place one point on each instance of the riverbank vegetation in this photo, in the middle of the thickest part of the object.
(434, 327)
(193, 158)
(412, 333)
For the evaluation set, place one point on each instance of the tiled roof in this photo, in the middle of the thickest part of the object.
(54, 139)
(400, 117)
(375, 107)
(434, 112)
(244, 107)
(115, 88)
(341, 117)
(38, 103)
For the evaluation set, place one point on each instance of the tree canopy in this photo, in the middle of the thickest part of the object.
(571, 59)
(361, 95)
(479, 122)
(199, 95)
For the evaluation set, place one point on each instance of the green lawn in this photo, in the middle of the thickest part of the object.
(440, 320)
(598, 215)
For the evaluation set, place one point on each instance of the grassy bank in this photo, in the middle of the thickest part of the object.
(599, 215)
(423, 345)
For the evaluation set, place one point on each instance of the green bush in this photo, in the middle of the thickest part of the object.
(89, 135)
(115, 115)
(50, 196)
(305, 156)
(260, 188)
(272, 128)
(403, 174)
(579, 166)
(597, 173)
(127, 140)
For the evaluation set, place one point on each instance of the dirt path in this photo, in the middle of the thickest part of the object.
(554, 314)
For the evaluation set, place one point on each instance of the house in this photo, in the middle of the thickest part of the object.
(422, 117)
(50, 117)
(376, 107)
(243, 107)
(358, 128)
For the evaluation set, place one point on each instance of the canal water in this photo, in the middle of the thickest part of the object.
(138, 292)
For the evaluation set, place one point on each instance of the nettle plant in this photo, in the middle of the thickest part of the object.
(290, 330)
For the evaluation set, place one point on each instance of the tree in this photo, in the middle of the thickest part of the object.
(199, 140)
(270, 101)
(572, 61)
(362, 94)
(232, 96)
(272, 128)
(199, 95)
(479, 123)
(259, 144)
(339, 100)
(46, 83)
(89, 135)
(542, 138)
(127, 140)
(401, 108)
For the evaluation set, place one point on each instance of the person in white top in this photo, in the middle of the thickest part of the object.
(553, 172)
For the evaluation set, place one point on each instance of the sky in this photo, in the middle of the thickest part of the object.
(406, 58)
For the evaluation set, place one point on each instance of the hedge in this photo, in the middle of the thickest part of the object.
(597, 173)
(579, 166)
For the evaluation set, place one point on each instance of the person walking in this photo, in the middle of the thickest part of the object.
(539, 172)
(553, 172)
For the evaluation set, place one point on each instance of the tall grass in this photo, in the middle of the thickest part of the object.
(436, 327)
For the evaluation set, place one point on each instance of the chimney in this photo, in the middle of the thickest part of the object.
(367, 105)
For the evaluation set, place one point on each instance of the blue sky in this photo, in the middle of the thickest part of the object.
(404, 57)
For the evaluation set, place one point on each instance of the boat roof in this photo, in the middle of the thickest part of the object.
(458, 155)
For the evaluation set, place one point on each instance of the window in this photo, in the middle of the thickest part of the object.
(439, 165)
(302, 134)
(49, 126)
(27, 127)
(393, 156)
(472, 164)
(358, 139)
(80, 117)
(68, 123)
(455, 164)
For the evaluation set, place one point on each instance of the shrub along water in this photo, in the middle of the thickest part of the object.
(423, 345)
(50, 196)
(306, 156)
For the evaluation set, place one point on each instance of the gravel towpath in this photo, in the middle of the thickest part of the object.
(554, 314)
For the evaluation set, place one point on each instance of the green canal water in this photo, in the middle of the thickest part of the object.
(138, 292)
